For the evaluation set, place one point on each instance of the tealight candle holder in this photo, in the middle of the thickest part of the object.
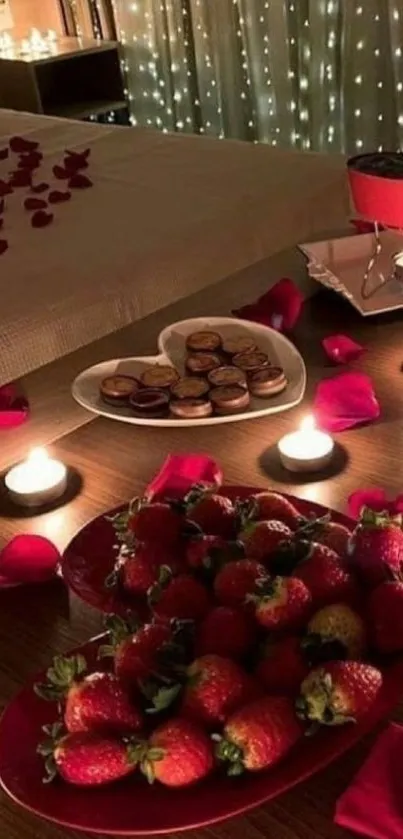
(37, 481)
(307, 449)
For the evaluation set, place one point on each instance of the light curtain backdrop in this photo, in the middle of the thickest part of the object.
(325, 75)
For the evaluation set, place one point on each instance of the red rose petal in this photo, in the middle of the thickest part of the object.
(35, 204)
(3, 246)
(79, 181)
(29, 559)
(60, 173)
(362, 226)
(2, 205)
(41, 219)
(1, 222)
(13, 407)
(180, 472)
(373, 498)
(5, 188)
(344, 401)
(341, 349)
(56, 197)
(30, 161)
(4, 153)
(38, 188)
(21, 145)
(21, 177)
(279, 308)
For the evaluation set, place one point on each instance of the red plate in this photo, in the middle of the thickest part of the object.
(90, 556)
(132, 807)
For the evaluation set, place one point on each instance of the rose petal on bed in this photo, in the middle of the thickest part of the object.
(280, 307)
(35, 204)
(21, 177)
(345, 401)
(5, 188)
(41, 218)
(61, 173)
(341, 349)
(3, 246)
(56, 197)
(21, 145)
(4, 153)
(79, 181)
(38, 188)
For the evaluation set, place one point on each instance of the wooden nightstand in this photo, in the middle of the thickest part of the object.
(80, 78)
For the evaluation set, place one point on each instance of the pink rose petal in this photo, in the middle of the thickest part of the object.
(279, 308)
(3, 248)
(180, 472)
(13, 407)
(38, 188)
(344, 401)
(376, 500)
(29, 559)
(341, 349)
(41, 218)
(57, 197)
(20, 145)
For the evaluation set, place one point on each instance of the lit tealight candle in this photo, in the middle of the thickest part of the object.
(306, 450)
(36, 481)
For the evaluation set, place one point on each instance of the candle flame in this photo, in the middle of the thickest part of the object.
(308, 424)
(38, 457)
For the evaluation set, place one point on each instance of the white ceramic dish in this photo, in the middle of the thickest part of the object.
(171, 344)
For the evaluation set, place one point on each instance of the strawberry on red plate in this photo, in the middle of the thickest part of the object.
(237, 580)
(210, 552)
(282, 603)
(215, 687)
(376, 547)
(97, 702)
(155, 522)
(136, 652)
(282, 666)
(88, 758)
(326, 575)
(339, 692)
(334, 632)
(263, 538)
(268, 505)
(259, 735)
(181, 597)
(139, 570)
(178, 754)
(213, 513)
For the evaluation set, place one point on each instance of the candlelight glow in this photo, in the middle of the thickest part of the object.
(308, 424)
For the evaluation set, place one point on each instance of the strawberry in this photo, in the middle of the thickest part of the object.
(283, 666)
(155, 522)
(259, 735)
(339, 692)
(326, 576)
(87, 758)
(385, 616)
(282, 603)
(216, 687)
(140, 569)
(336, 631)
(376, 546)
(181, 597)
(136, 654)
(335, 536)
(214, 514)
(263, 538)
(97, 702)
(237, 580)
(207, 552)
(269, 505)
(225, 631)
(179, 753)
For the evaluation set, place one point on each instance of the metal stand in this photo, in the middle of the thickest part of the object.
(396, 272)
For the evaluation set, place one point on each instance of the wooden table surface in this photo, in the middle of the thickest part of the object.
(116, 461)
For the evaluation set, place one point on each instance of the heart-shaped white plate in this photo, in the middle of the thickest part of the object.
(171, 344)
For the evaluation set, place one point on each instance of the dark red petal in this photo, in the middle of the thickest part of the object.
(1, 222)
(2, 205)
(41, 219)
(4, 153)
(56, 197)
(28, 559)
(79, 181)
(20, 145)
(374, 498)
(35, 204)
(30, 161)
(38, 188)
(5, 188)
(341, 349)
(279, 308)
(60, 173)
(84, 154)
(344, 401)
(21, 177)
(75, 162)
(3, 246)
